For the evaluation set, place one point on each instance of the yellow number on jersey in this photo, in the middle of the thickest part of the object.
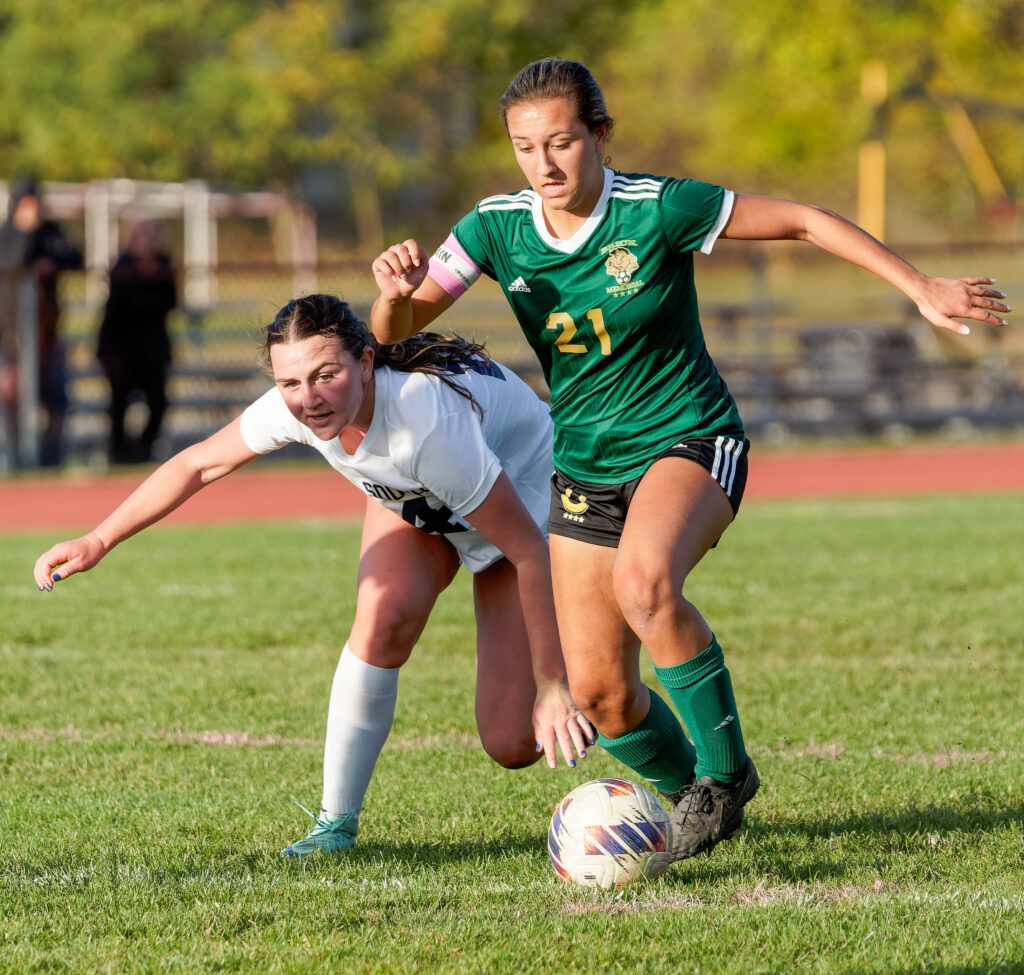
(564, 339)
(596, 317)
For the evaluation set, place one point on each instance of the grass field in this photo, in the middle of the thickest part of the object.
(158, 716)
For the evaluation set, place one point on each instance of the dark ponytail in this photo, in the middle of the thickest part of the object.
(328, 316)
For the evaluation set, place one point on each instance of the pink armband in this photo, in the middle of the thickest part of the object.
(451, 268)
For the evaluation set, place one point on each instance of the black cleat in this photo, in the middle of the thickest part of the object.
(708, 811)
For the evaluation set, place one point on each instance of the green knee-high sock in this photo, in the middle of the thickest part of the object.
(701, 689)
(657, 748)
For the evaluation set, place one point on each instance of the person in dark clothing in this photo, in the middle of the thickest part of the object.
(134, 346)
(32, 243)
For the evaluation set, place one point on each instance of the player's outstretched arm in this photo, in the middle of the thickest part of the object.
(940, 300)
(164, 490)
(409, 299)
(504, 521)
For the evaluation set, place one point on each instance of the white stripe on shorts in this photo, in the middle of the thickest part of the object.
(727, 454)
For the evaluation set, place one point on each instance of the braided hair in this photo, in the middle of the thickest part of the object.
(445, 357)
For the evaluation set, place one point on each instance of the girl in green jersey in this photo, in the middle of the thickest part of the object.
(650, 457)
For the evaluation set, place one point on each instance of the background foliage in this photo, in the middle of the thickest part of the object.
(385, 109)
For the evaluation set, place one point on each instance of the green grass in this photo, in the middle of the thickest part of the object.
(158, 716)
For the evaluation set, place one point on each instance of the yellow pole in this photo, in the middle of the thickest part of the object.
(871, 162)
(968, 143)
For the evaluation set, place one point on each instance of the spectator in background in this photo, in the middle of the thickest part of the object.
(32, 243)
(134, 347)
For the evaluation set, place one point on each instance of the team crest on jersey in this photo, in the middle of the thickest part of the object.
(573, 509)
(621, 265)
(620, 262)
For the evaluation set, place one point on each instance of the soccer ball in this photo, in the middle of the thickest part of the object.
(609, 833)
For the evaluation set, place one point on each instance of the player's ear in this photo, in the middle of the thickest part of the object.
(366, 363)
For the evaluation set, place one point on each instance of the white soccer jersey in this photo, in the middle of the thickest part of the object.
(428, 455)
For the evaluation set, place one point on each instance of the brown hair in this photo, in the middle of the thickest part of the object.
(559, 78)
(326, 315)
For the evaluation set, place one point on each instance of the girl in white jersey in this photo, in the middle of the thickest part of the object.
(649, 451)
(454, 454)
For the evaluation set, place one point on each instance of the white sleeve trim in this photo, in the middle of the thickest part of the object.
(728, 199)
(484, 487)
(268, 425)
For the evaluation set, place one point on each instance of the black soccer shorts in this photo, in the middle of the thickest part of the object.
(596, 513)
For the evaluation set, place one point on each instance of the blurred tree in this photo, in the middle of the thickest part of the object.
(107, 89)
(390, 93)
(771, 103)
(446, 65)
(396, 100)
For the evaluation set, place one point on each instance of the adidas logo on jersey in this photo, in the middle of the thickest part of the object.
(519, 285)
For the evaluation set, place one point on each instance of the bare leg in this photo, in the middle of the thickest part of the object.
(602, 655)
(505, 689)
(603, 660)
(677, 513)
(401, 572)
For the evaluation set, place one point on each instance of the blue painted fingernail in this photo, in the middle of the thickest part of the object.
(538, 747)
(56, 576)
(583, 754)
(572, 763)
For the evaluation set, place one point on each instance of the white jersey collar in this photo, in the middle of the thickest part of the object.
(573, 243)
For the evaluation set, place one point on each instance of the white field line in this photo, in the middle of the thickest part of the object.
(629, 901)
(242, 739)
(810, 895)
(953, 755)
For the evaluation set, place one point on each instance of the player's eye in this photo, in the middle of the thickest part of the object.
(325, 377)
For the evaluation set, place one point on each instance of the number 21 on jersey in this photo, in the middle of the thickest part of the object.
(564, 340)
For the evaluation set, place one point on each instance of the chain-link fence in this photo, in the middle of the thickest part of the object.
(808, 346)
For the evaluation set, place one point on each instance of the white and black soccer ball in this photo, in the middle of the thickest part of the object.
(609, 833)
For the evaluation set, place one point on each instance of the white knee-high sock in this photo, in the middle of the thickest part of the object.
(358, 722)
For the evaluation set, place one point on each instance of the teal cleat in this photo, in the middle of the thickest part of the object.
(328, 836)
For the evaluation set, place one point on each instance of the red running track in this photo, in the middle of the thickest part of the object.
(77, 502)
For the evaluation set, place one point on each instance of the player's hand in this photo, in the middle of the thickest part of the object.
(69, 557)
(946, 299)
(400, 270)
(557, 722)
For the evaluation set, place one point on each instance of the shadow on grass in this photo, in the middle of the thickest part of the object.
(913, 820)
(216, 863)
(227, 866)
(998, 968)
(790, 845)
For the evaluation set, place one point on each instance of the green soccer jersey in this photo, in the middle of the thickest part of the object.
(612, 316)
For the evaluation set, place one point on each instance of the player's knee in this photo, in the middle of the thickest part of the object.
(511, 751)
(608, 705)
(386, 639)
(644, 594)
